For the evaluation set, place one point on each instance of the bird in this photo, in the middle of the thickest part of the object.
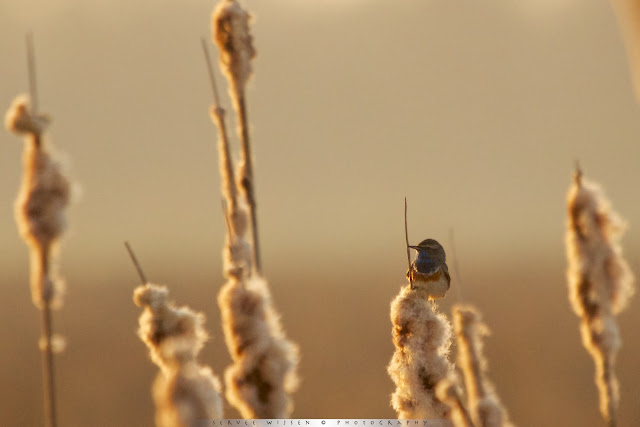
(429, 271)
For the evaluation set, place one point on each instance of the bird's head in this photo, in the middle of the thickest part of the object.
(431, 248)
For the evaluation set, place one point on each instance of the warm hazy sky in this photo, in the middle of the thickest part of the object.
(475, 110)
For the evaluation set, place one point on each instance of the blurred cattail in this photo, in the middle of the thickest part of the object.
(230, 28)
(40, 205)
(40, 213)
(422, 338)
(483, 402)
(264, 371)
(600, 282)
(628, 14)
(184, 391)
(449, 392)
(230, 24)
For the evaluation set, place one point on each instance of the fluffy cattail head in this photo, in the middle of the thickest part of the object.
(185, 395)
(40, 207)
(422, 338)
(44, 195)
(230, 26)
(483, 401)
(19, 119)
(171, 333)
(598, 274)
(600, 282)
(264, 373)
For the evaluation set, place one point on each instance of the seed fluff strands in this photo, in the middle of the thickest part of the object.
(184, 391)
(263, 375)
(422, 338)
(485, 406)
(230, 27)
(600, 282)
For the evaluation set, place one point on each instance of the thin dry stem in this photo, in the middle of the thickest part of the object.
(136, 263)
(406, 239)
(600, 282)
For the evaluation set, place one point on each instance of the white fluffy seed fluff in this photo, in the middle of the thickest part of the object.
(263, 375)
(422, 338)
(184, 391)
(600, 282)
(161, 322)
(483, 402)
(41, 203)
(230, 27)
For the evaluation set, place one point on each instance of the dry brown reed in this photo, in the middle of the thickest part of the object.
(422, 338)
(600, 282)
(184, 391)
(40, 214)
(483, 401)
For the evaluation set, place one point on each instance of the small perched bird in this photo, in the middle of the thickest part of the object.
(429, 271)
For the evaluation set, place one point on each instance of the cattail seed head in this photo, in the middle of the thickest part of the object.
(185, 395)
(600, 282)
(230, 26)
(184, 391)
(162, 325)
(264, 371)
(20, 121)
(41, 203)
(422, 338)
(484, 404)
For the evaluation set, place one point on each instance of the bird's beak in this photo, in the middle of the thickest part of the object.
(414, 247)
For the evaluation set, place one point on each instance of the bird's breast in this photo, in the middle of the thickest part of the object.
(426, 277)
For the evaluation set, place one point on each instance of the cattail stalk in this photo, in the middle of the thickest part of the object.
(230, 27)
(236, 247)
(483, 401)
(184, 391)
(600, 283)
(40, 205)
(263, 375)
(422, 338)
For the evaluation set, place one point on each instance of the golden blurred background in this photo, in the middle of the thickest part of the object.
(476, 111)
